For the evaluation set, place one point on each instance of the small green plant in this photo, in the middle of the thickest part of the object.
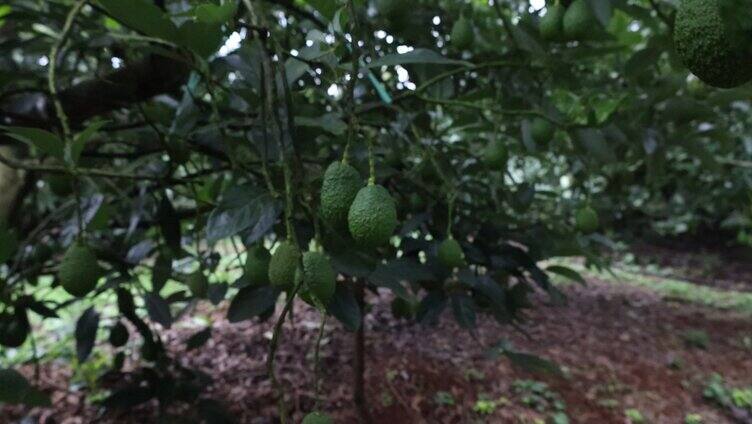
(559, 418)
(484, 406)
(634, 416)
(698, 339)
(472, 374)
(693, 419)
(538, 396)
(728, 397)
(444, 398)
(387, 399)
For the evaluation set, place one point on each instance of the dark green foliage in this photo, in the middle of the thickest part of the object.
(372, 217)
(710, 48)
(79, 270)
(341, 184)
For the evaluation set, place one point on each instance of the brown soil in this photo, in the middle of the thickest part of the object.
(616, 345)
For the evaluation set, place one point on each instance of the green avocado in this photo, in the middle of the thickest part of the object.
(317, 418)
(118, 334)
(341, 184)
(586, 220)
(401, 308)
(14, 328)
(450, 254)
(716, 53)
(283, 264)
(372, 217)
(319, 279)
(79, 270)
(198, 284)
(579, 21)
(462, 34)
(542, 131)
(257, 265)
(495, 155)
(551, 25)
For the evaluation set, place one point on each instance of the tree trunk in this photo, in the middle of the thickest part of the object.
(359, 366)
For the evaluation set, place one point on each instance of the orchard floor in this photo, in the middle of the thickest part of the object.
(620, 347)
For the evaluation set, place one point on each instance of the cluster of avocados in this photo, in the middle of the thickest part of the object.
(368, 212)
(712, 44)
(574, 23)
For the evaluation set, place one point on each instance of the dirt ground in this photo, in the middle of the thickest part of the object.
(620, 348)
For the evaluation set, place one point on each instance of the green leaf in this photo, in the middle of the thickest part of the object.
(8, 243)
(329, 122)
(567, 273)
(602, 10)
(215, 14)
(202, 38)
(526, 361)
(15, 389)
(251, 301)
(463, 308)
(394, 272)
(198, 339)
(86, 333)
(327, 8)
(44, 141)
(345, 308)
(158, 309)
(242, 208)
(143, 16)
(431, 307)
(416, 56)
(80, 139)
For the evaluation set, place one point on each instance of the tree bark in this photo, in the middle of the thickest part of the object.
(359, 366)
(138, 82)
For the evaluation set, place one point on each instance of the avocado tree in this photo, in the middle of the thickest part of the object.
(322, 149)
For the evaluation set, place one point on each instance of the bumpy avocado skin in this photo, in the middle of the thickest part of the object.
(579, 21)
(257, 265)
(709, 48)
(317, 418)
(450, 254)
(283, 264)
(462, 35)
(551, 25)
(318, 276)
(341, 184)
(495, 154)
(372, 217)
(587, 220)
(79, 270)
(541, 130)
